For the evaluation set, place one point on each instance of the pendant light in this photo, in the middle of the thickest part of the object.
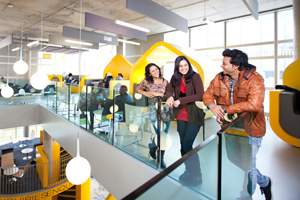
(7, 91)
(78, 169)
(21, 67)
(39, 80)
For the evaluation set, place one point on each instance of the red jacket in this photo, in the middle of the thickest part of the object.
(248, 97)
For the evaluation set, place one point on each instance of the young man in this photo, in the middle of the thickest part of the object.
(237, 89)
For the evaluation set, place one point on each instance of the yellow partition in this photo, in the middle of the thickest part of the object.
(77, 89)
(291, 75)
(159, 51)
(275, 120)
(83, 191)
(118, 64)
(42, 166)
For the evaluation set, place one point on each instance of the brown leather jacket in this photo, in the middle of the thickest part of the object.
(248, 96)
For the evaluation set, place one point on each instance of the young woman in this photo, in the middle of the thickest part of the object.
(154, 85)
(184, 90)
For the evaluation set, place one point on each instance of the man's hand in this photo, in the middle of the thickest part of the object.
(170, 102)
(218, 111)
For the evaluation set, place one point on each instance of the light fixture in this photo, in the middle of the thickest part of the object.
(205, 20)
(7, 91)
(21, 67)
(78, 42)
(129, 42)
(78, 169)
(15, 49)
(33, 43)
(39, 80)
(122, 23)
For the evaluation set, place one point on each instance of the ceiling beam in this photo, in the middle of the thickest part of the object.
(252, 6)
(159, 13)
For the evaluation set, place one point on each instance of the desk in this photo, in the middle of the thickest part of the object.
(27, 151)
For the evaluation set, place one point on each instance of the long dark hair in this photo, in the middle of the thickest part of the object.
(177, 75)
(148, 76)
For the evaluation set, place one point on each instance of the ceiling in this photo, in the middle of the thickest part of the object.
(57, 13)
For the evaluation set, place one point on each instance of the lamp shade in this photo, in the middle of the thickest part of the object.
(20, 67)
(39, 80)
(7, 91)
(78, 170)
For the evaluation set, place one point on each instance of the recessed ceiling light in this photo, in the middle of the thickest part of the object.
(10, 5)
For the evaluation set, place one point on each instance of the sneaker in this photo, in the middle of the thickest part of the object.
(267, 191)
(250, 187)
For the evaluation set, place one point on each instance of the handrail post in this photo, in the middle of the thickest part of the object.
(113, 119)
(69, 99)
(158, 113)
(219, 189)
(86, 106)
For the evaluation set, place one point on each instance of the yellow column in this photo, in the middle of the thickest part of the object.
(83, 191)
(110, 197)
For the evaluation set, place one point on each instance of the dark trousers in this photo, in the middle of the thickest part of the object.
(187, 133)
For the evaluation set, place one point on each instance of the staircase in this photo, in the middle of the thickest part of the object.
(68, 194)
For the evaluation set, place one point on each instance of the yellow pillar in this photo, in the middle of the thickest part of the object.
(110, 197)
(83, 191)
(55, 160)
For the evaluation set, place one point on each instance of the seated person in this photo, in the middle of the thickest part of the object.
(120, 76)
(92, 105)
(123, 98)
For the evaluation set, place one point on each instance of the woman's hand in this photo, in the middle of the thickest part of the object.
(176, 103)
(170, 102)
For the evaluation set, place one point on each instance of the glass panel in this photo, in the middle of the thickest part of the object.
(248, 30)
(196, 178)
(207, 36)
(236, 161)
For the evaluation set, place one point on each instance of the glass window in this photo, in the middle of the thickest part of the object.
(258, 50)
(265, 67)
(178, 38)
(285, 24)
(207, 36)
(210, 61)
(282, 64)
(249, 30)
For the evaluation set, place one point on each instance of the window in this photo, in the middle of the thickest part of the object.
(207, 36)
(178, 38)
(248, 30)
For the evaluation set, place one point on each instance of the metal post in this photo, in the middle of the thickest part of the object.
(158, 113)
(113, 120)
(219, 192)
(86, 106)
(203, 126)
(56, 97)
(69, 97)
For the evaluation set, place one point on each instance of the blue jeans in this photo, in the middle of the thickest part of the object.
(254, 174)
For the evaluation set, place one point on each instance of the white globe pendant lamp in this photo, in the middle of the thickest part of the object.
(7, 91)
(39, 80)
(20, 67)
(78, 169)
